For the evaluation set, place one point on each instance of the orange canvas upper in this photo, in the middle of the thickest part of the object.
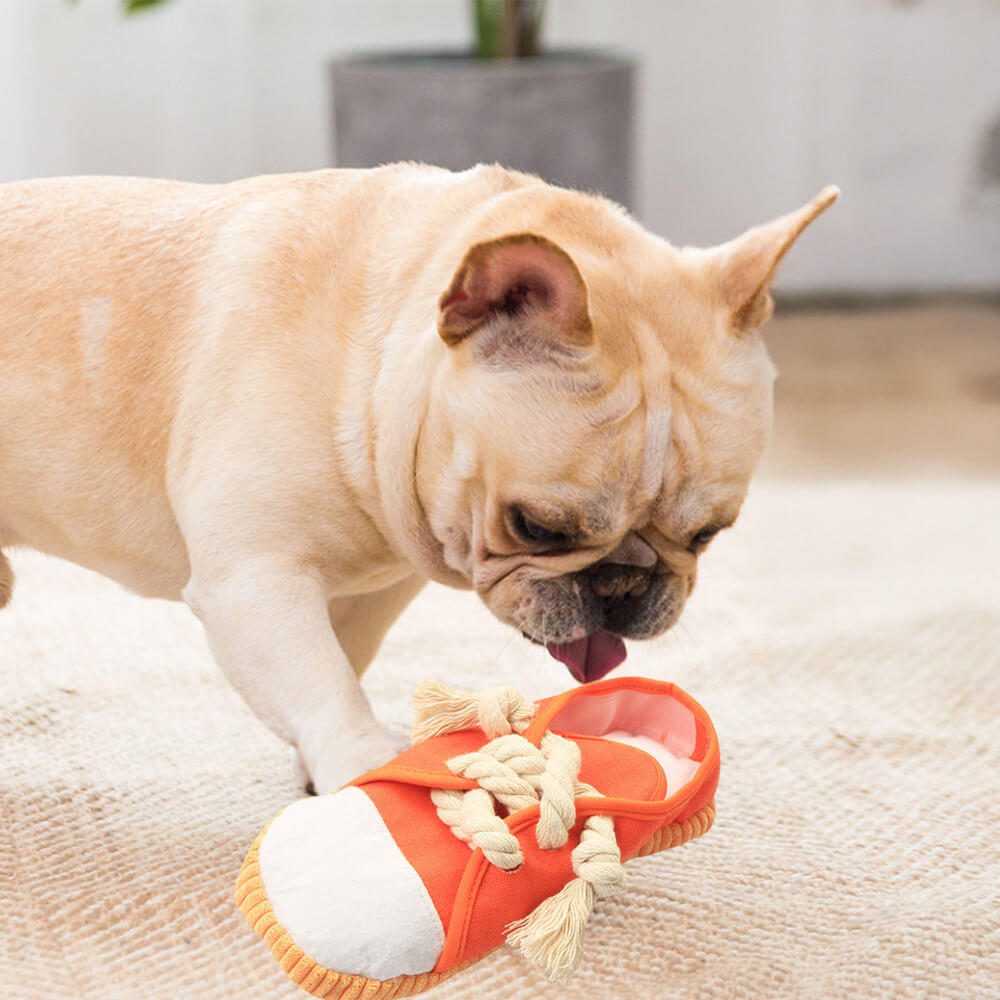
(476, 900)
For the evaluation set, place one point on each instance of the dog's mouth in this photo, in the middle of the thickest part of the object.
(590, 658)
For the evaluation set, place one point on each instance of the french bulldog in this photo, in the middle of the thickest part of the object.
(292, 400)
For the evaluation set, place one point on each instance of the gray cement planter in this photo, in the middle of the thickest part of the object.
(566, 116)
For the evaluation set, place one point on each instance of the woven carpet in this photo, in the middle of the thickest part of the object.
(844, 638)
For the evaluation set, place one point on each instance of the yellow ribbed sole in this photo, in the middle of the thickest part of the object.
(675, 834)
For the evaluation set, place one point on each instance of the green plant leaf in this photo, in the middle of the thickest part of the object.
(508, 29)
(131, 6)
(488, 14)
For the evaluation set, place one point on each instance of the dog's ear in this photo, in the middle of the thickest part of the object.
(745, 267)
(516, 275)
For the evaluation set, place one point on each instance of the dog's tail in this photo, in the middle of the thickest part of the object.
(6, 581)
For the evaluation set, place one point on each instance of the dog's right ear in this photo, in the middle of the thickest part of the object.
(745, 267)
(516, 275)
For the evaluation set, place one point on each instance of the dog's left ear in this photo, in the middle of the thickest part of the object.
(514, 275)
(745, 267)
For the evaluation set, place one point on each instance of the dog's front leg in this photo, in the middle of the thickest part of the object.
(268, 626)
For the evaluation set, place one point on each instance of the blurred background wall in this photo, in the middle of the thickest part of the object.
(744, 110)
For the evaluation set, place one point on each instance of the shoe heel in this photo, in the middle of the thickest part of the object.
(675, 834)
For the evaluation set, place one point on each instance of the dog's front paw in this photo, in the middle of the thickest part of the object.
(343, 760)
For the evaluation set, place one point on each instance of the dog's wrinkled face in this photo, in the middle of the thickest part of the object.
(590, 437)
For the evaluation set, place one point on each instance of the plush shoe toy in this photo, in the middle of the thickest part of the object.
(505, 820)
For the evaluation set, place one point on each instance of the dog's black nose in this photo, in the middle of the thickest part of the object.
(613, 582)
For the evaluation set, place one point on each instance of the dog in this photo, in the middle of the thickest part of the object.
(292, 400)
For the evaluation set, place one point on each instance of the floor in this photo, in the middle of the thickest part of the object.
(893, 392)
(843, 637)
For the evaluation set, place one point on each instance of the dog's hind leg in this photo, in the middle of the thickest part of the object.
(6, 581)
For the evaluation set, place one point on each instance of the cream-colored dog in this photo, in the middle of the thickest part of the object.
(292, 400)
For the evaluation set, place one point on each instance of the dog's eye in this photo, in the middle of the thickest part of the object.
(702, 538)
(532, 531)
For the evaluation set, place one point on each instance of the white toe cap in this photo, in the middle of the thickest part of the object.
(345, 893)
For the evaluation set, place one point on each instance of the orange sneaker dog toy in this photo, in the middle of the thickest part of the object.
(506, 819)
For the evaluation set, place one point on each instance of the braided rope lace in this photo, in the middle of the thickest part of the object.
(512, 771)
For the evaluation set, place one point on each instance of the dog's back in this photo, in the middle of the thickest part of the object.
(111, 286)
(97, 271)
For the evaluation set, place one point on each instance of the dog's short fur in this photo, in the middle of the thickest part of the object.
(292, 400)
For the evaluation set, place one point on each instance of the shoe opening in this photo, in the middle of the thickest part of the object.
(658, 723)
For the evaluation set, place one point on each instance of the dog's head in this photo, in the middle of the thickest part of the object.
(596, 424)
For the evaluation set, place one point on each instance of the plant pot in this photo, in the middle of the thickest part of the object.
(566, 116)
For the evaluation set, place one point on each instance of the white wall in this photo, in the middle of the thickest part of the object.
(746, 109)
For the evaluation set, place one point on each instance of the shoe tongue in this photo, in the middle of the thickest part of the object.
(590, 658)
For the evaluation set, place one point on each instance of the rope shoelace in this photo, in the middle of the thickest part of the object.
(513, 772)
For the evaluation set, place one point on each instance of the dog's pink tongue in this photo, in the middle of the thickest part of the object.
(591, 657)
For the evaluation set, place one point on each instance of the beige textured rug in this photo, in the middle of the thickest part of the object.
(845, 639)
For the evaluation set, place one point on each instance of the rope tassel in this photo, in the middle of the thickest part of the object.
(551, 936)
(439, 709)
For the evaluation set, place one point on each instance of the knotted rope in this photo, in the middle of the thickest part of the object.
(514, 772)
(439, 709)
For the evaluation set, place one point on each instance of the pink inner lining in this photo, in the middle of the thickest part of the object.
(665, 721)
(654, 715)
